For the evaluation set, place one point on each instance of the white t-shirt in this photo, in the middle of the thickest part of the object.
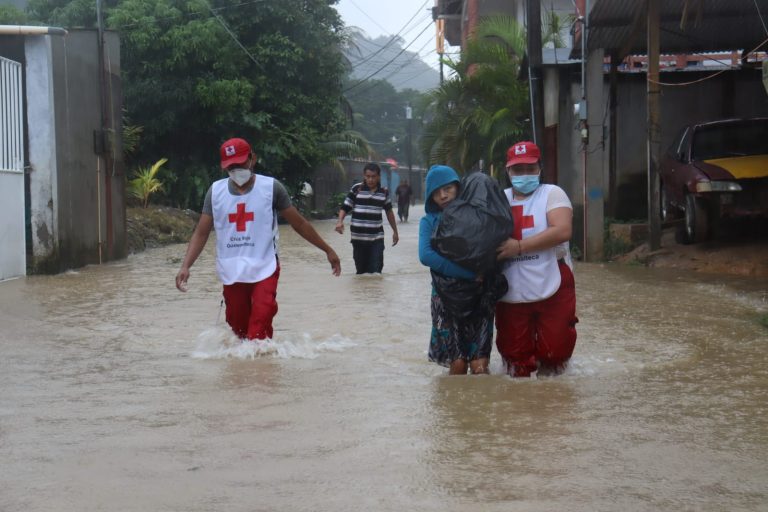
(557, 198)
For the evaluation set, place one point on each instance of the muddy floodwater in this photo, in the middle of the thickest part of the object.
(118, 393)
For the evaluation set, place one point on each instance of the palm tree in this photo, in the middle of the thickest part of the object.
(552, 27)
(346, 144)
(480, 111)
(146, 183)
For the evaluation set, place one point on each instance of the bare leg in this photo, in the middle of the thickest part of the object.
(479, 366)
(458, 367)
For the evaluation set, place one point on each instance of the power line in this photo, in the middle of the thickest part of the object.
(366, 15)
(234, 37)
(388, 63)
(369, 41)
(402, 66)
(379, 55)
(394, 38)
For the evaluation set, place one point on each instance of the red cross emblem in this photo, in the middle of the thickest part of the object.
(240, 217)
(521, 221)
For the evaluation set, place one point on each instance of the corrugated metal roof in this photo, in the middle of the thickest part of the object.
(687, 26)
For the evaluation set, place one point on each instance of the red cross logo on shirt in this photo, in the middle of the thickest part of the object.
(521, 221)
(240, 217)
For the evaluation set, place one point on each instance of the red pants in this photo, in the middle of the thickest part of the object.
(252, 306)
(533, 334)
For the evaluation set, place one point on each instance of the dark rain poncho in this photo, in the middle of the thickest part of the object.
(471, 228)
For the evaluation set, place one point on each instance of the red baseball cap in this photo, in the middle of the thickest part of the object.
(525, 152)
(234, 151)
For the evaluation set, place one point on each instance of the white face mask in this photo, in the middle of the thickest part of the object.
(240, 176)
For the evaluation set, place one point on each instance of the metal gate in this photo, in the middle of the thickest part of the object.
(13, 258)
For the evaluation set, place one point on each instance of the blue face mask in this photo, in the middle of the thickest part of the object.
(525, 183)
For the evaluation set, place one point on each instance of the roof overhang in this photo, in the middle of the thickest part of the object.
(686, 26)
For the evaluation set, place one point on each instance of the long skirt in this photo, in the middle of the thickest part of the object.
(451, 339)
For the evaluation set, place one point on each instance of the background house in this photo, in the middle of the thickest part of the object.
(68, 155)
(599, 154)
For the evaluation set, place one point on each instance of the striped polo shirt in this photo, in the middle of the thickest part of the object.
(366, 207)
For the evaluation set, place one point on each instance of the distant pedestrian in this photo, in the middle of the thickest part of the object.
(366, 201)
(536, 319)
(243, 210)
(404, 194)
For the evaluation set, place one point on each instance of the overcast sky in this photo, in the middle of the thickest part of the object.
(408, 18)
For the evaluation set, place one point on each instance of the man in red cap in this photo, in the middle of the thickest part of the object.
(536, 319)
(243, 210)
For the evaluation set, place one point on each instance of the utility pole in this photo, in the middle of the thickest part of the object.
(654, 128)
(534, 71)
(409, 147)
(105, 138)
(440, 43)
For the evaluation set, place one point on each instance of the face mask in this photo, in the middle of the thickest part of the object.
(525, 184)
(240, 176)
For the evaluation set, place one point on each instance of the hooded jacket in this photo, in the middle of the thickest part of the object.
(437, 177)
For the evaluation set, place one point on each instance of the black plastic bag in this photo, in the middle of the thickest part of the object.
(474, 224)
(463, 298)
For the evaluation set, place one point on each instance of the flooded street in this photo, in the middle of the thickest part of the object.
(121, 394)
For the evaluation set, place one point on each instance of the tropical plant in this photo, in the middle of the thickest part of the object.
(483, 107)
(346, 144)
(131, 136)
(145, 182)
(552, 28)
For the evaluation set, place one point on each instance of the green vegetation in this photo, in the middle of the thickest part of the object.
(346, 144)
(333, 204)
(197, 72)
(145, 182)
(380, 116)
(10, 15)
(764, 321)
(483, 108)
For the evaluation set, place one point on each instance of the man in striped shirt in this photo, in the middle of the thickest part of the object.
(366, 201)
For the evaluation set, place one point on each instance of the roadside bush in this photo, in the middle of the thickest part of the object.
(333, 204)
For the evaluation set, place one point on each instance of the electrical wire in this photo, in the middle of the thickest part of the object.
(406, 79)
(761, 18)
(234, 37)
(405, 64)
(375, 54)
(367, 15)
(388, 63)
(394, 37)
(706, 77)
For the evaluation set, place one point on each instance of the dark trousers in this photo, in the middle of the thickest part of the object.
(369, 256)
(402, 210)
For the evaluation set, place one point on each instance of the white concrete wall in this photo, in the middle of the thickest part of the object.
(13, 261)
(551, 96)
(42, 148)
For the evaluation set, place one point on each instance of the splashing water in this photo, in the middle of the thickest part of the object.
(221, 343)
